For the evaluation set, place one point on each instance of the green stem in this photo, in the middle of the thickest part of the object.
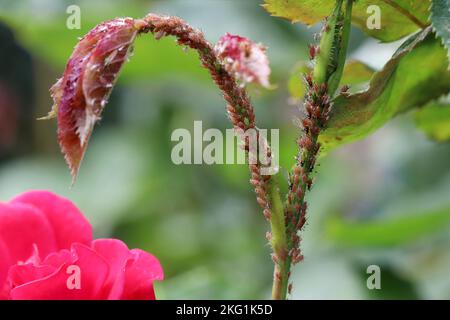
(335, 78)
(279, 245)
(324, 67)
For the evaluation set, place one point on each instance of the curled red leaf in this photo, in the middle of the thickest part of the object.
(80, 95)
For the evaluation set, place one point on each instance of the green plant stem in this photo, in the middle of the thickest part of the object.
(336, 77)
(279, 245)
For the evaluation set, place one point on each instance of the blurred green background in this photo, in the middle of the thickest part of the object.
(384, 200)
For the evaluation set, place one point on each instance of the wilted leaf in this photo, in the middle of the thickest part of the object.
(440, 20)
(434, 120)
(398, 17)
(415, 75)
(80, 95)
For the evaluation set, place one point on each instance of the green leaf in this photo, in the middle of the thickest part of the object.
(356, 75)
(399, 18)
(440, 20)
(389, 232)
(434, 120)
(415, 75)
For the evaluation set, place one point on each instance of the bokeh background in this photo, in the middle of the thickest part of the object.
(382, 201)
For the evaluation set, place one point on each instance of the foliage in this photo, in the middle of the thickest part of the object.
(400, 17)
(434, 120)
(415, 75)
(440, 20)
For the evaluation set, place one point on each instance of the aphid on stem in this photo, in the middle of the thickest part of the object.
(312, 52)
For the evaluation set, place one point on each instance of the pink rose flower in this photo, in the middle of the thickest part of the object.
(47, 252)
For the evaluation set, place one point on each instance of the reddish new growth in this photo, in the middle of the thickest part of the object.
(243, 58)
(239, 108)
(82, 92)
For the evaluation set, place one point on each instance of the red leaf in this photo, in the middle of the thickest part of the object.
(82, 92)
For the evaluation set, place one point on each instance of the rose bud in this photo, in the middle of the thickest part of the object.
(244, 59)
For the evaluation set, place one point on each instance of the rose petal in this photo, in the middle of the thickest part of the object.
(93, 273)
(5, 263)
(68, 222)
(21, 227)
(140, 273)
(116, 253)
(56, 259)
(20, 274)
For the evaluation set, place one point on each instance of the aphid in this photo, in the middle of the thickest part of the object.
(267, 214)
(289, 180)
(261, 202)
(289, 197)
(312, 52)
(307, 124)
(317, 113)
(297, 258)
(309, 109)
(308, 79)
(274, 259)
(344, 89)
(296, 178)
(295, 239)
(301, 223)
(305, 142)
(316, 88)
(314, 130)
(309, 184)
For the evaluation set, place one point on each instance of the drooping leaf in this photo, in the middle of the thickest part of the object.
(440, 20)
(387, 232)
(81, 94)
(415, 75)
(434, 120)
(398, 17)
